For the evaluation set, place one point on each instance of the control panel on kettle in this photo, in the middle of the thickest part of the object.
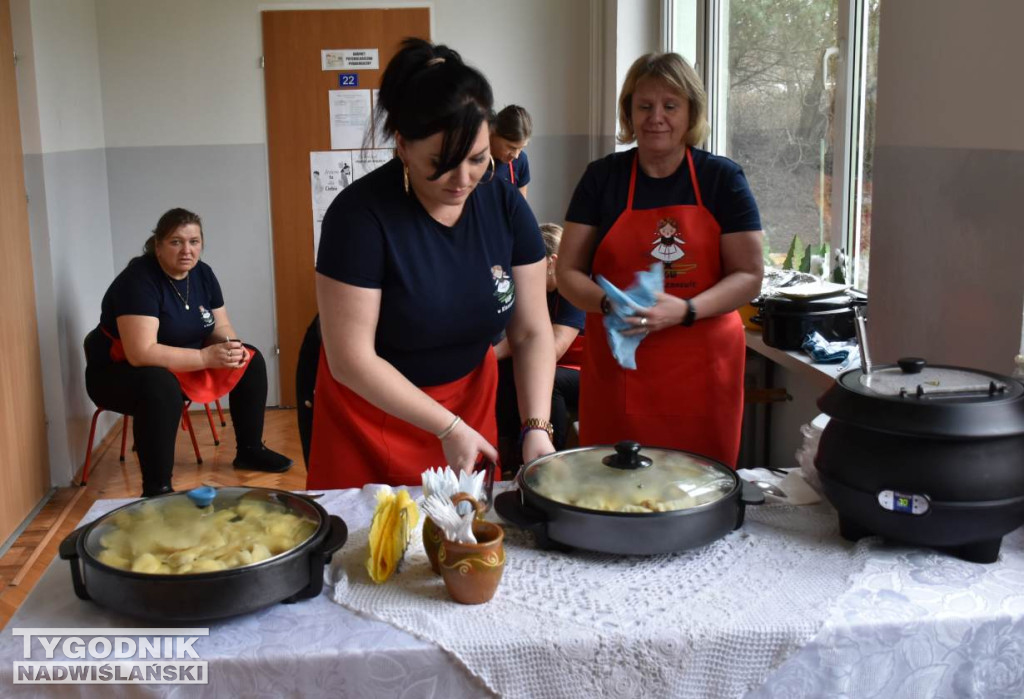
(907, 503)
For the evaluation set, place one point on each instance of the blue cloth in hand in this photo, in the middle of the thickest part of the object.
(625, 304)
(824, 352)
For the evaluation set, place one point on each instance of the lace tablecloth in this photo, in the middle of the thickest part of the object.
(918, 624)
(713, 622)
(910, 623)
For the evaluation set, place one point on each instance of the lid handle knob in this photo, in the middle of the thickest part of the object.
(627, 457)
(911, 365)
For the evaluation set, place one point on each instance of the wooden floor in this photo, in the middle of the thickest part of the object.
(109, 478)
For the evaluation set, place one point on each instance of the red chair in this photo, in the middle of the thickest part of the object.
(220, 415)
(186, 424)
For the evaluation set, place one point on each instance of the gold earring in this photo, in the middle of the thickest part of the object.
(494, 170)
(405, 177)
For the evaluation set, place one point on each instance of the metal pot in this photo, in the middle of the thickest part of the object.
(786, 321)
(627, 499)
(928, 455)
(289, 576)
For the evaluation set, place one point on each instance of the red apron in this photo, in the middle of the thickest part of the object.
(200, 386)
(355, 442)
(687, 390)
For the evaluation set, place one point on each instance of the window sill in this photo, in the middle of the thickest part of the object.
(823, 375)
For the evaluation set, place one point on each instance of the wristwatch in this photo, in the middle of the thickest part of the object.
(691, 313)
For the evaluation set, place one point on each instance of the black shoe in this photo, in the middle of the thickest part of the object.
(153, 491)
(261, 459)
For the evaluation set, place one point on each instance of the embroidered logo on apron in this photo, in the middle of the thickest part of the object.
(206, 316)
(666, 242)
(504, 288)
(668, 247)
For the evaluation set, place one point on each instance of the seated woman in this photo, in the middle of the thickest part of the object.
(510, 133)
(164, 337)
(567, 324)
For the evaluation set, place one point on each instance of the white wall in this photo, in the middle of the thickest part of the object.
(638, 31)
(69, 221)
(67, 75)
(947, 253)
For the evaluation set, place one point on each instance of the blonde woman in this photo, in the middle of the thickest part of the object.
(665, 201)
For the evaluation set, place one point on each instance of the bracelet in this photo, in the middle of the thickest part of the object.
(449, 429)
(536, 423)
(691, 313)
(606, 305)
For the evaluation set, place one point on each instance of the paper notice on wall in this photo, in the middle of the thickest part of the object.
(379, 140)
(330, 172)
(350, 59)
(366, 161)
(350, 118)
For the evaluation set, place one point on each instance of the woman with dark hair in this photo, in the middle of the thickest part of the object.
(665, 201)
(164, 337)
(510, 134)
(418, 268)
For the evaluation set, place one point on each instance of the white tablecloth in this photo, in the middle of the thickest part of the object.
(910, 623)
(711, 622)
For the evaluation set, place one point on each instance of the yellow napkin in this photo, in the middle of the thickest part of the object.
(394, 519)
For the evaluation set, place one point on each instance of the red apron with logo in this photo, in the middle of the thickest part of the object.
(200, 386)
(687, 390)
(355, 442)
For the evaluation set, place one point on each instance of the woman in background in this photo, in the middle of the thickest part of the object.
(510, 134)
(567, 326)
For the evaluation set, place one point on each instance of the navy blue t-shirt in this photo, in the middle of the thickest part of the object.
(445, 291)
(519, 175)
(143, 289)
(564, 313)
(603, 191)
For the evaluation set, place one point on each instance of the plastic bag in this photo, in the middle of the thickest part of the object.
(809, 449)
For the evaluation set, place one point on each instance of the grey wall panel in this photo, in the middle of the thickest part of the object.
(77, 224)
(947, 256)
(556, 165)
(227, 186)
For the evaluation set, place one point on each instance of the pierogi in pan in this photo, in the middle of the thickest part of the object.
(177, 537)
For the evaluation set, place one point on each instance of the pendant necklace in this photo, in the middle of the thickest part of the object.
(184, 299)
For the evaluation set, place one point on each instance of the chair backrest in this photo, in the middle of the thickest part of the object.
(305, 383)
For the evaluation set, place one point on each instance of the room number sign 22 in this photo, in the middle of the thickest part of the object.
(348, 79)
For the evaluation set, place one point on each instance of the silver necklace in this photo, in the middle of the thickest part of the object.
(184, 299)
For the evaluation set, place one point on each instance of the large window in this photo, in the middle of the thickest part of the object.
(791, 86)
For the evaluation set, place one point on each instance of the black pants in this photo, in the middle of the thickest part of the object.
(565, 400)
(152, 396)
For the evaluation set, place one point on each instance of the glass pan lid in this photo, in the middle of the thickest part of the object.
(629, 478)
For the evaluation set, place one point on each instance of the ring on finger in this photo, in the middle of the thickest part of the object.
(643, 321)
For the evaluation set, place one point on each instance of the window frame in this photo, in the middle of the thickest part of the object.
(849, 132)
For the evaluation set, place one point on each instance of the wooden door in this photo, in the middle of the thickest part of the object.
(24, 463)
(297, 124)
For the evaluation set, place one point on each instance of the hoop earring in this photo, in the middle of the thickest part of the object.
(405, 177)
(494, 169)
